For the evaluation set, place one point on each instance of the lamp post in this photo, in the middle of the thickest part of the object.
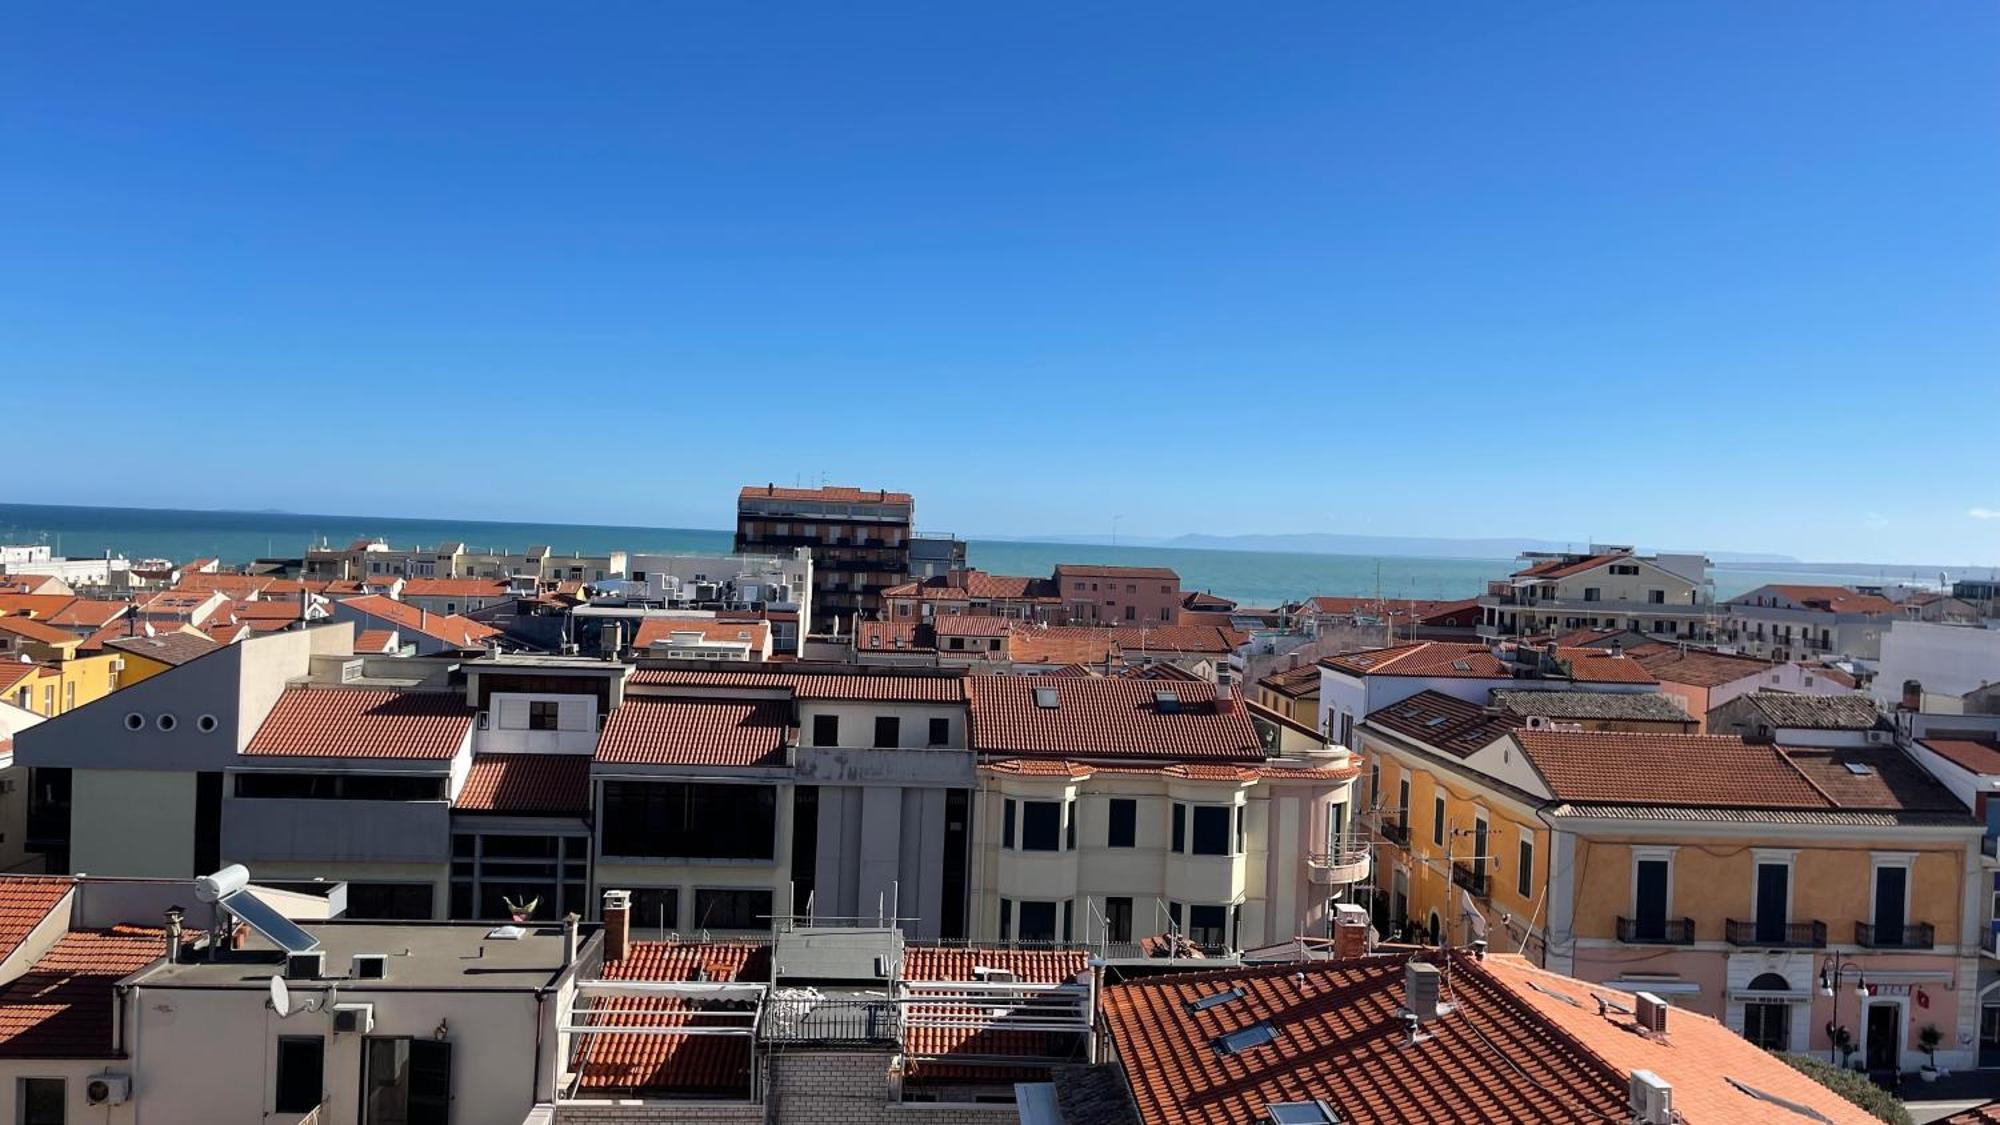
(1831, 972)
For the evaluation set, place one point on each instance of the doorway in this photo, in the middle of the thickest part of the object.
(1884, 1049)
(1989, 1035)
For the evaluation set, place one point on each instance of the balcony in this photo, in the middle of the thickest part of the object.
(832, 1022)
(1773, 935)
(1915, 935)
(1395, 829)
(1665, 931)
(1346, 865)
(1463, 875)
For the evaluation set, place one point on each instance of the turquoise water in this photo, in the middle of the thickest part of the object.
(1251, 577)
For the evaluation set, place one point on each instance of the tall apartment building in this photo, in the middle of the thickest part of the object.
(860, 542)
(1669, 597)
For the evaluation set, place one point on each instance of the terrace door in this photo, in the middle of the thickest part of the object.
(1649, 910)
(1774, 892)
(1890, 884)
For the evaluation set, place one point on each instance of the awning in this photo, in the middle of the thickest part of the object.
(1657, 987)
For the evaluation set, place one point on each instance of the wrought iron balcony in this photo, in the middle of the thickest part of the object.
(1463, 875)
(1775, 935)
(1394, 829)
(1662, 931)
(1914, 935)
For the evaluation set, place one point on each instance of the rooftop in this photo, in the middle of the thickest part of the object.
(1816, 712)
(460, 632)
(687, 732)
(172, 648)
(1445, 722)
(1968, 754)
(1295, 682)
(1179, 638)
(1827, 599)
(1093, 570)
(877, 686)
(526, 784)
(24, 901)
(1466, 660)
(62, 1006)
(1699, 667)
(831, 494)
(1643, 706)
(422, 955)
(341, 722)
(1092, 717)
(662, 630)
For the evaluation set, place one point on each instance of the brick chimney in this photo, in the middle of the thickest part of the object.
(1350, 932)
(1225, 699)
(1913, 696)
(617, 924)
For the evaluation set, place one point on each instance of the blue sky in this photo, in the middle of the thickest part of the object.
(1719, 276)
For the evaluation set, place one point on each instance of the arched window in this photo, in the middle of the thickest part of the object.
(1768, 1023)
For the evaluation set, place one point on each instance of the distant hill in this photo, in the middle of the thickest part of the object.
(1404, 546)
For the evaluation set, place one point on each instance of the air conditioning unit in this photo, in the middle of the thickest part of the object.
(108, 1089)
(1652, 1012)
(354, 1019)
(1652, 1099)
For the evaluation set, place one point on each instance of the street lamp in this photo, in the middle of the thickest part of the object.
(1831, 971)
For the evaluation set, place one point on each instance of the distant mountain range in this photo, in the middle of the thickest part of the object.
(1405, 546)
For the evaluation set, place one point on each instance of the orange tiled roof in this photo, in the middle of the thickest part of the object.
(1100, 717)
(1445, 722)
(13, 672)
(1094, 570)
(1564, 567)
(657, 630)
(1969, 754)
(38, 607)
(832, 494)
(1061, 644)
(1208, 639)
(526, 783)
(683, 1065)
(1703, 770)
(962, 625)
(1827, 599)
(1476, 661)
(452, 629)
(62, 1007)
(38, 632)
(374, 640)
(885, 636)
(24, 901)
(89, 613)
(883, 688)
(709, 732)
(455, 588)
(1340, 1037)
(363, 723)
(1296, 682)
(1698, 667)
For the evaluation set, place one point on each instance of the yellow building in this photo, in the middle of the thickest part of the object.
(1293, 693)
(1721, 874)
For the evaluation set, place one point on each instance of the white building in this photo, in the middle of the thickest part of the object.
(1946, 661)
(1669, 597)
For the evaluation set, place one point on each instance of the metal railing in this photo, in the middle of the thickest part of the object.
(1775, 935)
(1912, 935)
(823, 1021)
(1660, 931)
(1475, 881)
(1394, 829)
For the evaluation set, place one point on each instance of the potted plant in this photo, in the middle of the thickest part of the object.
(1928, 1038)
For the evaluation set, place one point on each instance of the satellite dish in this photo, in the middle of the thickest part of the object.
(281, 997)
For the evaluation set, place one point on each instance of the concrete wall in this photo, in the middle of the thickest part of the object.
(880, 848)
(74, 1073)
(1946, 659)
(133, 822)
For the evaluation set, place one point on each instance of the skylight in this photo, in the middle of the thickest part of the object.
(1462, 665)
(1046, 698)
(1300, 1113)
(1858, 769)
(1166, 702)
(1435, 721)
(1259, 1034)
(1805, 1111)
(1215, 1000)
(1570, 1000)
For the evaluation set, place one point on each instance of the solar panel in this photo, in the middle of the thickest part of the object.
(262, 917)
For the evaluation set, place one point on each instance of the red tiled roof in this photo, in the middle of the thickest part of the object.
(1391, 609)
(62, 1007)
(1697, 667)
(24, 901)
(956, 963)
(460, 632)
(363, 723)
(657, 630)
(882, 688)
(1061, 644)
(1179, 638)
(1340, 1037)
(87, 613)
(38, 632)
(832, 494)
(170, 648)
(1886, 780)
(374, 640)
(13, 672)
(1009, 587)
(1969, 754)
(1476, 661)
(455, 587)
(1568, 565)
(962, 625)
(1988, 1114)
(1093, 570)
(526, 783)
(1702, 770)
(679, 1064)
(1827, 599)
(683, 732)
(1296, 682)
(1450, 724)
(1100, 717)
(885, 636)
(39, 607)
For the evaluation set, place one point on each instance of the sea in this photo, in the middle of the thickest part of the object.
(1257, 578)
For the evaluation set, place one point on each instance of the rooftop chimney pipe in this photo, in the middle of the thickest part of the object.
(617, 925)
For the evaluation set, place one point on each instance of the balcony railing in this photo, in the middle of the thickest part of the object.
(1463, 875)
(1775, 935)
(1662, 931)
(1914, 935)
(1394, 829)
(831, 1021)
(1347, 863)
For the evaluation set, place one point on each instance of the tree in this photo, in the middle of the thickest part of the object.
(1853, 1087)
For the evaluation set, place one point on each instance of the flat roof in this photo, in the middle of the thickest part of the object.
(436, 956)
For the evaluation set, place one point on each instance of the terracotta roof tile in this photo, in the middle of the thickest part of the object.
(62, 1007)
(657, 630)
(1108, 718)
(24, 901)
(1876, 778)
(832, 494)
(526, 783)
(884, 687)
(374, 640)
(1969, 754)
(460, 632)
(171, 648)
(1816, 712)
(1697, 667)
(1062, 644)
(682, 732)
(38, 632)
(363, 723)
(683, 1065)
(1447, 723)
(1567, 565)
(455, 587)
(1476, 661)
(964, 625)
(88, 613)
(1339, 1037)
(36, 607)
(886, 636)
(1708, 770)
(1295, 682)
(1207, 639)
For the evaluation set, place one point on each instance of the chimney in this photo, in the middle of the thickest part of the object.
(1420, 990)
(1350, 932)
(1617, 647)
(1913, 696)
(569, 939)
(617, 924)
(174, 916)
(1225, 699)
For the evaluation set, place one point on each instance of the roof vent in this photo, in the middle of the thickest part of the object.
(1259, 1034)
(1652, 1099)
(1421, 986)
(1046, 698)
(1652, 1013)
(1299, 1113)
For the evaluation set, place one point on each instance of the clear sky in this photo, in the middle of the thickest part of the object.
(1722, 276)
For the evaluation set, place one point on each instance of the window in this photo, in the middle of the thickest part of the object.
(940, 732)
(656, 908)
(1211, 829)
(405, 1082)
(301, 1065)
(1006, 919)
(542, 714)
(43, 1101)
(1624, 568)
(1403, 803)
(1240, 812)
(1373, 797)
(1118, 919)
(1180, 827)
(1123, 828)
(341, 786)
(1068, 930)
(826, 730)
(888, 730)
(1768, 1023)
(1041, 828)
(1656, 597)
(1346, 729)
(1069, 825)
(1773, 901)
(1524, 867)
(1131, 613)
(1038, 921)
(1007, 823)
(389, 902)
(689, 819)
(1208, 925)
(1592, 594)
(1652, 893)
(732, 908)
(1437, 820)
